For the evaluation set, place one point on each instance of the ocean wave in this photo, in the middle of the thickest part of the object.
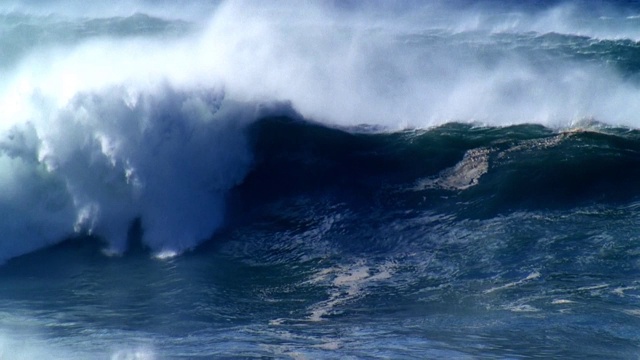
(106, 118)
(188, 164)
(106, 159)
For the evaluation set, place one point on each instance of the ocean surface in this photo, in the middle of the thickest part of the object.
(319, 180)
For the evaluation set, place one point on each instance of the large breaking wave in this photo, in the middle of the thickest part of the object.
(140, 112)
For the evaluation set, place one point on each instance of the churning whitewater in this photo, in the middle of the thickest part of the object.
(212, 179)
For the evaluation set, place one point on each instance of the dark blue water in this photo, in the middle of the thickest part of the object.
(285, 180)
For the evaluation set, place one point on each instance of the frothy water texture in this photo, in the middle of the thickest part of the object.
(319, 179)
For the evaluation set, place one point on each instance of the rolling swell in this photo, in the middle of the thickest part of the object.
(455, 168)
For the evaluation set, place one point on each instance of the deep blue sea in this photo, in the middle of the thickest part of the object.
(319, 180)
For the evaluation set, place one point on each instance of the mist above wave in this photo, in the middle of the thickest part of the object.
(398, 66)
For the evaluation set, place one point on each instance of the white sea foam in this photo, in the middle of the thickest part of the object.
(534, 275)
(347, 284)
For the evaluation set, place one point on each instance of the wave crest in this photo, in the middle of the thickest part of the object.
(107, 158)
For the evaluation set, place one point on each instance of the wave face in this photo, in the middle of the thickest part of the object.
(470, 171)
(441, 165)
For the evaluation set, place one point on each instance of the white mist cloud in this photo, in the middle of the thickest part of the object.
(351, 68)
(402, 68)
